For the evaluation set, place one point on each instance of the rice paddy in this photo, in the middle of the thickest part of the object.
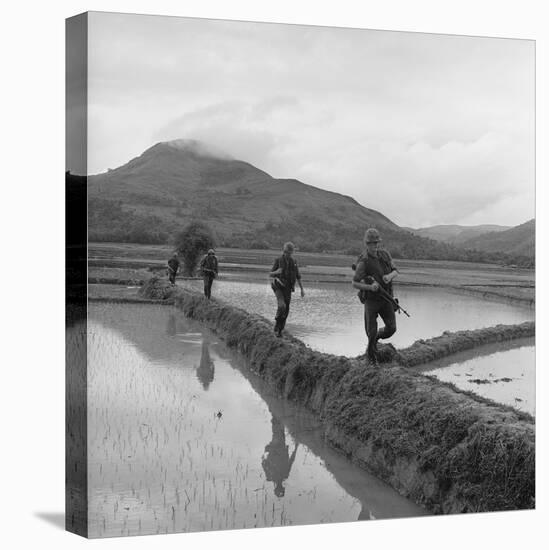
(504, 372)
(330, 318)
(182, 438)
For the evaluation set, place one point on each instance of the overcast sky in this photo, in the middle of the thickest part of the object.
(427, 129)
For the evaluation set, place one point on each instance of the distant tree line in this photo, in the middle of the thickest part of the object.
(312, 234)
(195, 239)
(109, 221)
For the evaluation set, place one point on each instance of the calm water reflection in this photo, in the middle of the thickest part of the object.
(330, 317)
(182, 437)
(504, 372)
(206, 370)
(277, 461)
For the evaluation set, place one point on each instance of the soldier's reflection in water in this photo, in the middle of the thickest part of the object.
(206, 370)
(171, 329)
(276, 460)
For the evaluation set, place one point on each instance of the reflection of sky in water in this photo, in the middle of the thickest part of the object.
(507, 376)
(181, 438)
(330, 317)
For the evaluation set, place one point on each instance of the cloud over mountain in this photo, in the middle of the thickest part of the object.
(429, 129)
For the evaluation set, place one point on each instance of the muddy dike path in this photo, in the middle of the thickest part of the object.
(448, 450)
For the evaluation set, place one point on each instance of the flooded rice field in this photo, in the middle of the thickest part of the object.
(182, 437)
(330, 317)
(504, 372)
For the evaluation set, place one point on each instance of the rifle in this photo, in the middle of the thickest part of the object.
(388, 298)
(208, 270)
(276, 281)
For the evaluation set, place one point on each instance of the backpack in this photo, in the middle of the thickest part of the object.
(385, 259)
(209, 263)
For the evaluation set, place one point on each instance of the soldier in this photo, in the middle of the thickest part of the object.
(173, 266)
(284, 275)
(209, 269)
(375, 272)
(277, 461)
(206, 370)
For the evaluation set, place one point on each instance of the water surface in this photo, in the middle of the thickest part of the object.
(182, 437)
(331, 319)
(504, 372)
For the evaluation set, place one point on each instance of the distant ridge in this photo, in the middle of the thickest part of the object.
(153, 196)
(519, 240)
(457, 234)
(184, 179)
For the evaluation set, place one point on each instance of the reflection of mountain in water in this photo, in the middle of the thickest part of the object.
(206, 370)
(163, 335)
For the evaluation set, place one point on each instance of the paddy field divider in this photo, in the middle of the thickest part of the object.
(448, 450)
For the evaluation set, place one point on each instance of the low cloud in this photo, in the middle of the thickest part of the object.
(414, 183)
(427, 129)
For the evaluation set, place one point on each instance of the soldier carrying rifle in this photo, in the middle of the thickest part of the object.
(173, 266)
(284, 275)
(209, 269)
(374, 274)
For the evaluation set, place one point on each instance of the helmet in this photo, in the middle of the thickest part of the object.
(211, 251)
(372, 236)
(289, 246)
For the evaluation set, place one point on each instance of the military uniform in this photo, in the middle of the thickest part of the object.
(283, 286)
(173, 266)
(376, 265)
(208, 266)
(276, 461)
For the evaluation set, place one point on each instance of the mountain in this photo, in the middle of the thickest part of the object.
(181, 180)
(456, 234)
(153, 196)
(519, 240)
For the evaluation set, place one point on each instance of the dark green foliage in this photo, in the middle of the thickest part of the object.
(157, 289)
(314, 234)
(193, 242)
(109, 221)
(519, 240)
(254, 209)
